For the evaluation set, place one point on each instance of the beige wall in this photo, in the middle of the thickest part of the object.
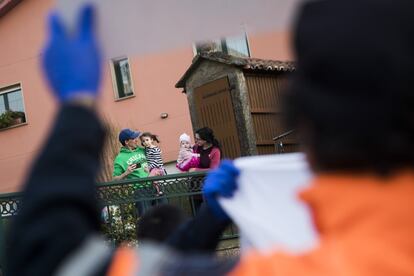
(22, 34)
(272, 45)
(154, 76)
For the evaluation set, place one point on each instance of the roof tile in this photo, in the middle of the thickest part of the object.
(246, 63)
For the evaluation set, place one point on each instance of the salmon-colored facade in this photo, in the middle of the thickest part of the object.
(22, 34)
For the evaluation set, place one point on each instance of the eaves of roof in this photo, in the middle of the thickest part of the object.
(7, 5)
(245, 63)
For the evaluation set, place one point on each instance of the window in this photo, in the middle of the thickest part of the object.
(11, 106)
(121, 77)
(236, 46)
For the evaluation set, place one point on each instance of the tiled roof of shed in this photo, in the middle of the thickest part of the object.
(244, 63)
(7, 5)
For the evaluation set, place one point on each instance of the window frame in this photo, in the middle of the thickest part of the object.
(223, 45)
(112, 62)
(9, 89)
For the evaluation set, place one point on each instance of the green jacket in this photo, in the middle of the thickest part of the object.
(128, 157)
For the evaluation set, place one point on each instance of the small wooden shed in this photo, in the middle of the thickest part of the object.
(239, 98)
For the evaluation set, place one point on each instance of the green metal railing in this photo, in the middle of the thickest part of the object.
(127, 191)
(173, 185)
(9, 204)
(118, 201)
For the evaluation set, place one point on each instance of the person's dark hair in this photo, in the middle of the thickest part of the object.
(150, 135)
(352, 98)
(158, 223)
(207, 135)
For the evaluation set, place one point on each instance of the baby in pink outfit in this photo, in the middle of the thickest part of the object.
(187, 159)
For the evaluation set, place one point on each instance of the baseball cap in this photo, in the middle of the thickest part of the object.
(127, 134)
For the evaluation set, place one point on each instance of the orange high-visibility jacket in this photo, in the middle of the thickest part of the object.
(366, 227)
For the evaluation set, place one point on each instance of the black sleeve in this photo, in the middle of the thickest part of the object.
(201, 234)
(59, 206)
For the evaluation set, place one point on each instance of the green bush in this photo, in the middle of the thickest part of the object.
(120, 224)
(9, 118)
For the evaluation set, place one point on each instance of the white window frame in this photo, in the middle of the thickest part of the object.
(246, 37)
(10, 88)
(114, 80)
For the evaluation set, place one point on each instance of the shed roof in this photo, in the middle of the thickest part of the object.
(7, 5)
(245, 63)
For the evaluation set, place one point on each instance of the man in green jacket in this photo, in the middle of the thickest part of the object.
(131, 163)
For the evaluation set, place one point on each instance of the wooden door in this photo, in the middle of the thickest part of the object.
(214, 109)
(265, 106)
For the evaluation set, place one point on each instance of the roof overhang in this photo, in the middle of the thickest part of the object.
(7, 5)
(244, 63)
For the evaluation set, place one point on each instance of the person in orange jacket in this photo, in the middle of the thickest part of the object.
(350, 100)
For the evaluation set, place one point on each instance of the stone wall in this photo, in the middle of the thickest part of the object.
(209, 71)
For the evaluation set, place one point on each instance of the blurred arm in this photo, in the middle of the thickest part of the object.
(200, 234)
(59, 207)
(203, 232)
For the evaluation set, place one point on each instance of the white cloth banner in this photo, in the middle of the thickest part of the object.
(144, 26)
(266, 207)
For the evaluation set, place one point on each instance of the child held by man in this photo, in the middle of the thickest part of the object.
(153, 154)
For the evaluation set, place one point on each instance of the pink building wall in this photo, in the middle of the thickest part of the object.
(22, 33)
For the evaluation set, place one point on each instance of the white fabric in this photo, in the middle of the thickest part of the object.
(185, 137)
(144, 26)
(266, 207)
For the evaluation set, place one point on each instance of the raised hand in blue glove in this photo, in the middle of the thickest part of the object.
(72, 61)
(220, 182)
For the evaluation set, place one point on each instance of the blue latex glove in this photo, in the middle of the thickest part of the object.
(220, 182)
(72, 61)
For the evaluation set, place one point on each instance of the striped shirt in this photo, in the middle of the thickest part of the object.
(154, 158)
